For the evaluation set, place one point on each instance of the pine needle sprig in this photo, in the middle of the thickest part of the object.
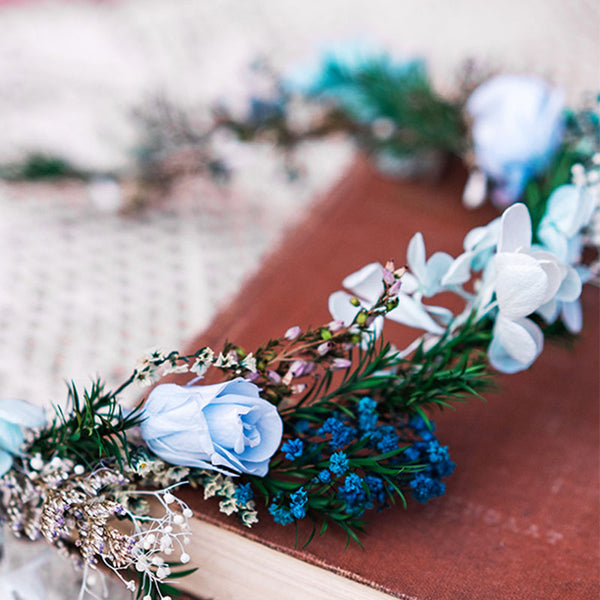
(93, 428)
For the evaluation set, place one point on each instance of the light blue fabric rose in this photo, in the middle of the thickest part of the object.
(14, 416)
(225, 427)
(518, 124)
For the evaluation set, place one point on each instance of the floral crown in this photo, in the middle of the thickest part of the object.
(329, 423)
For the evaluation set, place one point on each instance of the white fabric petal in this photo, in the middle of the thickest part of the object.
(520, 283)
(459, 271)
(483, 237)
(515, 229)
(555, 272)
(437, 266)
(412, 313)
(521, 338)
(502, 361)
(415, 256)
(366, 283)
(410, 284)
(341, 309)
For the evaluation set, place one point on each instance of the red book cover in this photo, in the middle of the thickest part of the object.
(520, 516)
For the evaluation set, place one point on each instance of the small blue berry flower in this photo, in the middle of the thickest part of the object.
(293, 449)
(243, 493)
(324, 476)
(298, 501)
(281, 514)
(338, 463)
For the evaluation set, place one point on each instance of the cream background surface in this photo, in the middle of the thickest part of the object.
(71, 72)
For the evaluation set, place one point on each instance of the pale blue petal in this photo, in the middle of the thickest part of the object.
(22, 413)
(561, 209)
(584, 272)
(166, 397)
(270, 427)
(480, 238)
(570, 288)
(181, 418)
(549, 311)
(174, 456)
(11, 437)
(572, 316)
(442, 313)
(224, 458)
(225, 422)
(554, 240)
(240, 387)
(437, 267)
(513, 181)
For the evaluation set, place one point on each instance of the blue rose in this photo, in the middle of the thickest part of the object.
(225, 427)
(518, 124)
(14, 416)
